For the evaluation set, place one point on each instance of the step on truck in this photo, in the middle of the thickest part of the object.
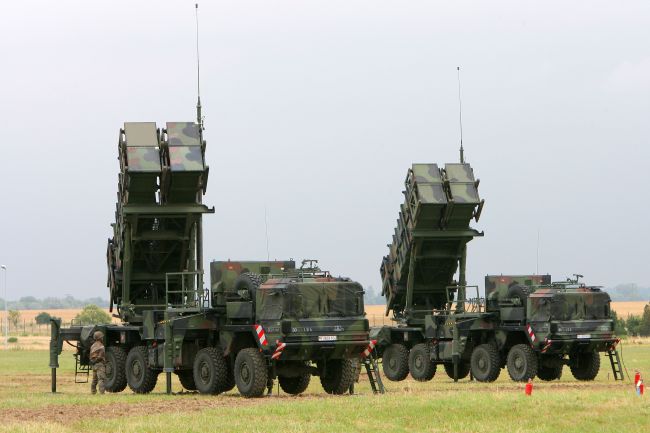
(257, 322)
(440, 320)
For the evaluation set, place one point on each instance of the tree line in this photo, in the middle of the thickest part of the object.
(52, 303)
(633, 325)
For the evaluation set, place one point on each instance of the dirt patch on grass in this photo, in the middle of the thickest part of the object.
(184, 402)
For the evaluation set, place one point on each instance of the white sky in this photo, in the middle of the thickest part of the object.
(316, 109)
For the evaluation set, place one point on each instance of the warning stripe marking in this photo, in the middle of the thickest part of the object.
(369, 349)
(261, 335)
(531, 334)
(278, 350)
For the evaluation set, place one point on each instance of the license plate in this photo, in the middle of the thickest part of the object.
(327, 338)
(584, 336)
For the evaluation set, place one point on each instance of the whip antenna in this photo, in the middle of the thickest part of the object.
(266, 229)
(537, 260)
(460, 118)
(199, 117)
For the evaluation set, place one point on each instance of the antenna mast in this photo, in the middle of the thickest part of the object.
(460, 118)
(199, 117)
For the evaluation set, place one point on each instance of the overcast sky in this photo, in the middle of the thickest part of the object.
(316, 109)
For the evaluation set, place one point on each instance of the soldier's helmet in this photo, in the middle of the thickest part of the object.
(98, 335)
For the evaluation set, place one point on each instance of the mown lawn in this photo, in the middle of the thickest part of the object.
(436, 406)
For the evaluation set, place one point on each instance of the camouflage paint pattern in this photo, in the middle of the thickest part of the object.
(183, 134)
(186, 158)
(570, 318)
(142, 159)
(316, 318)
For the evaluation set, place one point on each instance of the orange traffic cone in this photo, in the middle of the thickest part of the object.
(529, 387)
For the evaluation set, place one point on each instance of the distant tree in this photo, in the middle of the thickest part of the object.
(644, 325)
(373, 297)
(43, 318)
(93, 315)
(632, 324)
(619, 325)
(14, 317)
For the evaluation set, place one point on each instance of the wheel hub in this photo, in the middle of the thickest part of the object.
(245, 373)
(519, 363)
(205, 372)
(137, 369)
(418, 362)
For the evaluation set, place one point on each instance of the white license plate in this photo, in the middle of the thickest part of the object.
(327, 338)
(584, 336)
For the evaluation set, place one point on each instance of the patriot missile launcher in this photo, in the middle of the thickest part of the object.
(258, 321)
(527, 323)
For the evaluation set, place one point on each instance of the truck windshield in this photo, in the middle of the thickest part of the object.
(311, 300)
(581, 306)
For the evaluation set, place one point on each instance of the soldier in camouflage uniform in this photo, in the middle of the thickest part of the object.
(98, 362)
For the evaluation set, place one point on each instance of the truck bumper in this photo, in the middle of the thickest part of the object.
(565, 345)
(300, 351)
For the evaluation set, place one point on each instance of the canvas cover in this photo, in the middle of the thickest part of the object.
(302, 300)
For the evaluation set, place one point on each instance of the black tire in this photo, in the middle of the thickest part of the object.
(115, 369)
(339, 375)
(210, 371)
(251, 373)
(420, 365)
(463, 370)
(585, 365)
(395, 362)
(549, 373)
(294, 385)
(520, 292)
(521, 363)
(248, 281)
(186, 378)
(140, 377)
(484, 363)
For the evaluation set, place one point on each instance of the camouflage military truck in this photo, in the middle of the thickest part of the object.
(258, 321)
(544, 326)
(437, 323)
(306, 322)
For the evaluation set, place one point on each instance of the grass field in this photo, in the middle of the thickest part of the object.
(408, 406)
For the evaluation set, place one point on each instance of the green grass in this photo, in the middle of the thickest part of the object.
(436, 406)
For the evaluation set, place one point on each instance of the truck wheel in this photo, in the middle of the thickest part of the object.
(186, 378)
(210, 371)
(422, 369)
(115, 369)
(522, 363)
(463, 370)
(585, 365)
(251, 374)
(549, 373)
(140, 377)
(340, 374)
(395, 362)
(294, 385)
(248, 281)
(484, 363)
